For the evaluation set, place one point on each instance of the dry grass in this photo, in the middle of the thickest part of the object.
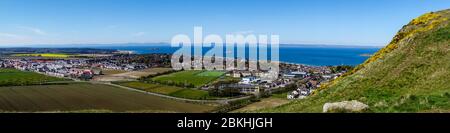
(264, 103)
(121, 75)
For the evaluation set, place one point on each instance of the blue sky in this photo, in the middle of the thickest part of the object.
(345, 22)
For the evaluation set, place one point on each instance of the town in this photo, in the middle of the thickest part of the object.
(83, 68)
(299, 80)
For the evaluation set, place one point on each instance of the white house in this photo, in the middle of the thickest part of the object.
(249, 80)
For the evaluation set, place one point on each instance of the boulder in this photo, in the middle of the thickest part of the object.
(345, 106)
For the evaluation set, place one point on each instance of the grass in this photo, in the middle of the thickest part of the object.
(191, 94)
(81, 97)
(274, 100)
(50, 55)
(195, 77)
(112, 71)
(211, 74)
(155, 88)
(139, 85)
(122, 75)
(156, 70)
(14, 77)
(409, 75)
(145, 72)
(270, 102)
(168, 90)
(280, 95)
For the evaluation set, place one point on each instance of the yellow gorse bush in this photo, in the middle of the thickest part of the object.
(423, 23)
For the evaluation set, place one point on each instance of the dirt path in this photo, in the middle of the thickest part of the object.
(264, 103)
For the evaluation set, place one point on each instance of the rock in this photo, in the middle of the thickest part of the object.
(345, 106)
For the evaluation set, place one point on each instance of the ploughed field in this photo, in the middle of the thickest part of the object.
(86, 97)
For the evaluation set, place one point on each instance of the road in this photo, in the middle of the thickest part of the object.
(221, 101)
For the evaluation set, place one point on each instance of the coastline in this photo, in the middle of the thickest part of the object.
(311, 55)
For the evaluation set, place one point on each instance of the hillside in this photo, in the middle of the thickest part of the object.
(411, 74)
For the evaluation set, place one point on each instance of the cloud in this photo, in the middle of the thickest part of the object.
(8, 35)
(34, 30)
(138, 34)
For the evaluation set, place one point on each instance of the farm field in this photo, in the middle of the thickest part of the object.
(191, 94)
(112, 71)
(155, 88)
(195, 77)
(145, 72)
(121, 75)
(14, 77)
(86, 96)
(156, 70)
(51, 55)
(168, 90)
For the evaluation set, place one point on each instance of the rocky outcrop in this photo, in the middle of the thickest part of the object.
(345, 106)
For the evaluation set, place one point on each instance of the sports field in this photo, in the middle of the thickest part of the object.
(13, 77)
(85, 96)
(195, 77)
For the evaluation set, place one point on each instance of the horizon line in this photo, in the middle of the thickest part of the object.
(167, 43)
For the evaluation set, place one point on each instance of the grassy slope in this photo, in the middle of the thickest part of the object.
(411, 74)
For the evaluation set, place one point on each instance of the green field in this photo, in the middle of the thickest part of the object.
(167, 90)
(196, 78)
(13, 77)
(81, 97)
(51, 55)
(155, 88)
(191, 94)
